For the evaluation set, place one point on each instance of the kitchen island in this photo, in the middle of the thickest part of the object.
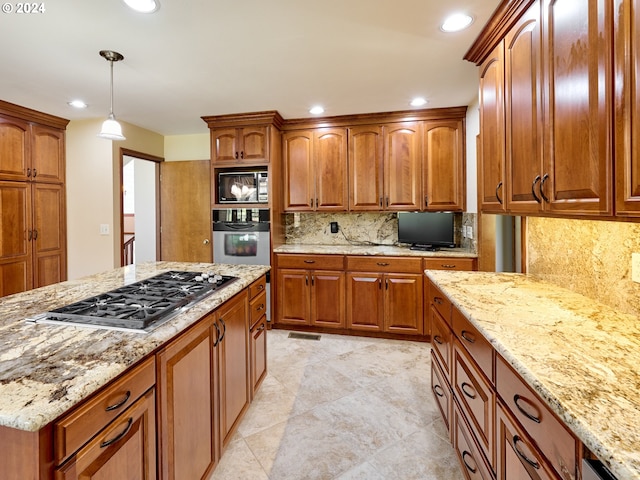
(47, 370)
(579, 356)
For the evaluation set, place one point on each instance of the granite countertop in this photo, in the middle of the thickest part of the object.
(390, 250)
(579, 355)
(47, 369)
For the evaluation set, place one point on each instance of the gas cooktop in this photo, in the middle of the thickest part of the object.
(140, 306)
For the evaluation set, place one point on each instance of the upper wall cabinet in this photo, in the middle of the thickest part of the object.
(366, 168)
(558, 101)
(246, 144)
(315, 170)
(402, 166)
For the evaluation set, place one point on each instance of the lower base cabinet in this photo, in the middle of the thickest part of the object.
(469, 454)
(258, 354)
(125, 449)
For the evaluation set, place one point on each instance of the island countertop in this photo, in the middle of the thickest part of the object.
(388, 250)
(47, 369)
(579, 355)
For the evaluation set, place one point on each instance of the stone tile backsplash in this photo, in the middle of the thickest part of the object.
(587, 256)
(359, 228)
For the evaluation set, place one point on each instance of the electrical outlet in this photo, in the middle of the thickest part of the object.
(469, 231)
(334, 227)
(635, 267)
(296, 219)
(104, 229)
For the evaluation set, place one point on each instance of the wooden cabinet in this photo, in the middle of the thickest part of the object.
(233, 365)
(187, 404)
(366, 168)
(442, 392)
(443, 166)
(382, 298)
(627, 108)
(311, 290)
(315, 169)
(470, 456)
(244, 144)
(402, 166)
(32, 210)
(526, 175)
(450, 263)
(125, 449)
(258, 349)
(491, 146)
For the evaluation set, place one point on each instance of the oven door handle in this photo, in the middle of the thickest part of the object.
(240, 226)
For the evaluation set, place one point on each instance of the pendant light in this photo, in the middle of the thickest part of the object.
(111, 129)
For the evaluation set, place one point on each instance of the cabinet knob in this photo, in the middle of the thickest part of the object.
(28, 172)
(205, 241)
(242, 154)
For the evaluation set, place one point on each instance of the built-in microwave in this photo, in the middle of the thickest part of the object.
(243, 187)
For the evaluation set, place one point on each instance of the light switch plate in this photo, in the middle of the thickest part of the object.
(635, 267)
(104, 229)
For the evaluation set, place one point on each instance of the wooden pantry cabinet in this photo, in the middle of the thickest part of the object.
(32, 199)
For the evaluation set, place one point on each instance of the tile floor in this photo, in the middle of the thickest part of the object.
(342, 408)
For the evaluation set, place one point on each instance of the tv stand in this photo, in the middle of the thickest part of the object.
(424, 248)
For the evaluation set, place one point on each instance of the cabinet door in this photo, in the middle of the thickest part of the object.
(403, 304)
(293, 297)
(15, 149)
(258, 354)
(299, 179)
(578, 69)
(523, 98)
(327, 299)
(233, 362)
(254, 145)
(402, 161)
(49, 234)
(225, 145)
(491, 148)
(365, 309)
(517, 458)
(627, 64)
(47, 153)
(187, 422)
(16, 267)
(443, 169)
(330, 168)
(365, 168)
(125, 449)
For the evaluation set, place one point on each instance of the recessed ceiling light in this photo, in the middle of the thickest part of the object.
(418, 102)
(77, 104)
(456, 22)
(317, 110)
(143, 6)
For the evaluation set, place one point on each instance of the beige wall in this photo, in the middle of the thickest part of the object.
(587, 256)
(187, 147)
(93, 193)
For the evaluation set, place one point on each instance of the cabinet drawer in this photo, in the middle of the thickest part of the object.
(476, 398)
(75, 429)
(384, 264)
(319, 262)
(441, 341)
(469, 455)
(258, 287)
(449, 263)
(441, 392)
(440, 301)
(475, 343)
(546, 431)
(257, 308)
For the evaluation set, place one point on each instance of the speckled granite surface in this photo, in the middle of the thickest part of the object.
(579, 355)
(373, 250)
(47, 369)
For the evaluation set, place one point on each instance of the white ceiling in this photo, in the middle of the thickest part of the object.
(211, 57)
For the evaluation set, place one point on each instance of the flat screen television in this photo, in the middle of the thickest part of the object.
(426, 230)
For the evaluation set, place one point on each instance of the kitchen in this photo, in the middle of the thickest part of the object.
(569, 252)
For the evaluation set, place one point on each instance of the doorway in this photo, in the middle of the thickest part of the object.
(140, 207)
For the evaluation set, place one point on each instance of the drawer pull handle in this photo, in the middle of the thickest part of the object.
(466, 454)
(120, 403)
(465, 334)
(438, 340)
(215, 344)
(260, 307)
(106, 443)
(464, 386)
(262, 327)
(516, 399)
(516, 439)
(382, 264)
(261, 287)
(437, 389)
(437, 300)
(447, 265)
(309, 261)
(224, 330)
